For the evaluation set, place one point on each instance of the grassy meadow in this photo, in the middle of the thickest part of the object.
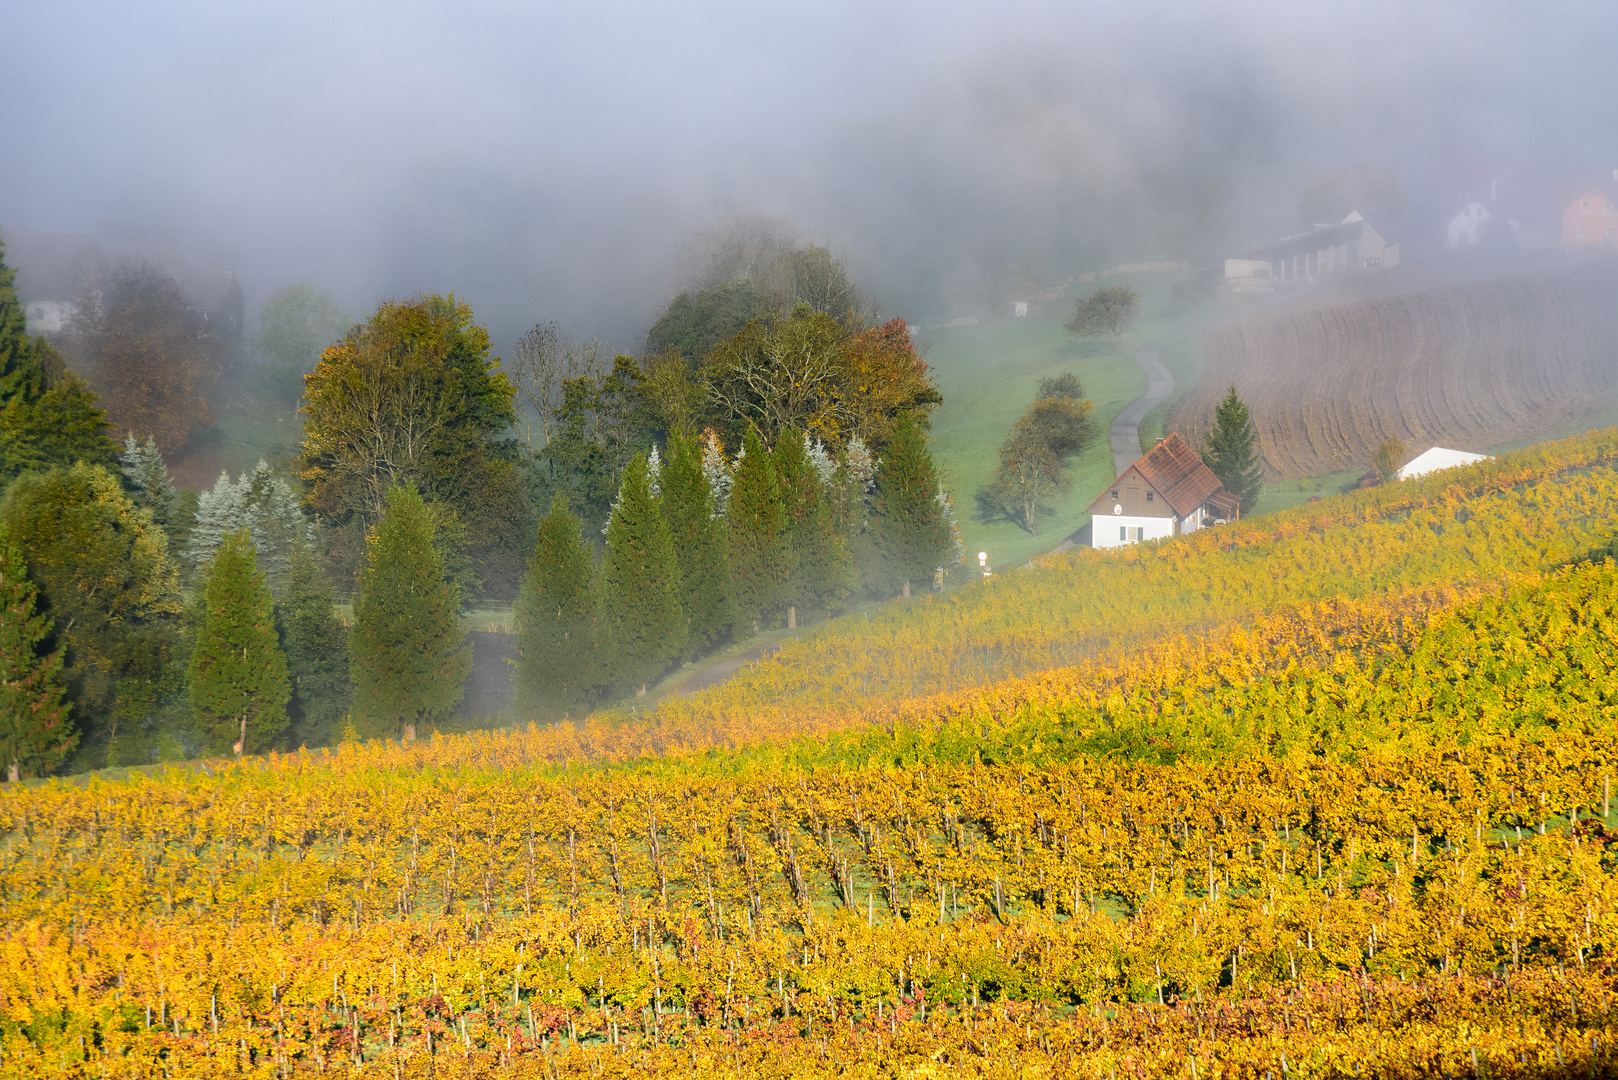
(988, 374)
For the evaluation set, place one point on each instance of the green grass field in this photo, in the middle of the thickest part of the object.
(988, 374)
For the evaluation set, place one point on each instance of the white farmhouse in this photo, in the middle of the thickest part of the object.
(1167, 492)
(1466, 227)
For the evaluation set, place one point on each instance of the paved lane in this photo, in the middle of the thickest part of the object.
(1125, 432)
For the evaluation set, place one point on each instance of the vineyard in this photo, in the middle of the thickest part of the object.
(1469, 366)
(1521, 514)
(1349, 815)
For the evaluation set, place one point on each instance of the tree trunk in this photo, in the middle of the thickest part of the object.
(14, 771)
(410, 733)
(241, 742)
(907, 588)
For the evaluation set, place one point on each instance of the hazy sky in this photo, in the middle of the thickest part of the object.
(546, 161)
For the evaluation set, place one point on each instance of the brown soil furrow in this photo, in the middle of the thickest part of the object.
(1468, 365)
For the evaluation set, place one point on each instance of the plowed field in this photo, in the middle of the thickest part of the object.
(1468, 366)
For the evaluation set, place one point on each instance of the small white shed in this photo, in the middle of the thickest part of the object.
(1437, 458)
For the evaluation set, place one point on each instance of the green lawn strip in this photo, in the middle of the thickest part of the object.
(1285, 494)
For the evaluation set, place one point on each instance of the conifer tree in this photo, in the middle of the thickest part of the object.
(848, 495)
(716, 470)
(407, 652)
(315, 642)
(761, 556)
(19, 369)
(701, 546)
(641, 620)
(276, 518)
(239, 682)
(104, 576)
(221, 510)
(555, 613)
(819, 578)
(148, 474)
(48, 416)
(1232, 453)
(36, 729)
(260, 502)
(913, 535)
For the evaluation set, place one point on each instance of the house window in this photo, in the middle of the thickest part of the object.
(1584, 206)
(1114, 494)
(1149, 496)
(1609, 232)
(1123, 533)
(1606, 206)
(1139, 531)
(1581, 232)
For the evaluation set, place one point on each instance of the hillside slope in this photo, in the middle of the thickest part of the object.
(1522, 513)
(1469, 366)
(1367, 836)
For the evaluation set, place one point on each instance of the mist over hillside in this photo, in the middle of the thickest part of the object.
(548, 163)
(1466, 364)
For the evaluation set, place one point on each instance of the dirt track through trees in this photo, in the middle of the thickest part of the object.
(1468, 366)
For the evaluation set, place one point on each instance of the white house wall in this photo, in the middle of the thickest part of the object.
(1104, 529)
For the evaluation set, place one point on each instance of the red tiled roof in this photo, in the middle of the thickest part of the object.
(1179, 475)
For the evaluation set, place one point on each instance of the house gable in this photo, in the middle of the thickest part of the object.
(1590, 218)
(1134, 496)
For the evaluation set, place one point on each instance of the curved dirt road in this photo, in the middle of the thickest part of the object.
(1125, 433)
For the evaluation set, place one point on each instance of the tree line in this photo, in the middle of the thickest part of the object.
(154, 622)
(702, 547)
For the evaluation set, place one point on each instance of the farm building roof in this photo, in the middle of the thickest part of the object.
(1225, 505)
(1348, 230)
(1178, 474)
(1435, 459)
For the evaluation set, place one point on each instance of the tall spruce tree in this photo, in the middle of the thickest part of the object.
(820, 578)
(260, 502)
(556, 617)
(239, 682)
(105, 578)
(848, 495)
(641, 621)
(557, 630)
(761, 555)
(701, 546)
(315, 642)
(221, 510)
(19, 363)
(48, 416)
(913, 535)
(36, 728)
(148, 474)
(408, 654)
(278, 521)
(1232, 451)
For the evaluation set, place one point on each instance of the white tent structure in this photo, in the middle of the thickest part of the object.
(1435, 459)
